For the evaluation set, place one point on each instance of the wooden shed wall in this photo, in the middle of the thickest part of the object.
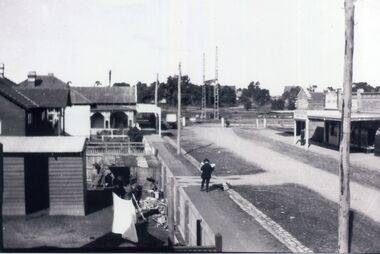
(14, 186)
(67, 185)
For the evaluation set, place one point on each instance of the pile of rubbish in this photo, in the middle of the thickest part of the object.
(158, 209)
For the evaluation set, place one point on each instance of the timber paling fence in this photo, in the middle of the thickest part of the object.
(185, 223)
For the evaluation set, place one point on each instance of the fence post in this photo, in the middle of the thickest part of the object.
(257, 123)
(218, 242)
(171, 209)
(1, 190)
(199, 233)
(178, 210)
(187, 226)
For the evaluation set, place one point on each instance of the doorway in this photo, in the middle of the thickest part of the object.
(36, 183)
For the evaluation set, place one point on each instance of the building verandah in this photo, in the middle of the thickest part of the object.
(112, 122)
(324, 126)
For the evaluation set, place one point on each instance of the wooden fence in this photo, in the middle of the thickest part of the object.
(184, 217)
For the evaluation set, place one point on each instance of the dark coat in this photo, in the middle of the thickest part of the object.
(206, 171)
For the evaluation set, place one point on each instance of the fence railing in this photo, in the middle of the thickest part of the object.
(115, 148)
(109, 134)
(184, 216)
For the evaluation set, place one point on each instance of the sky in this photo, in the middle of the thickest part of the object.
(275, 42)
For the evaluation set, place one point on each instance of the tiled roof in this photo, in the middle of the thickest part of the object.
(45, 82)
(102, 95)
(48, 98)
(7, 89)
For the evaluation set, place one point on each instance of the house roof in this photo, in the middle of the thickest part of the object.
(336, 115)
(51, 144)
(44, 82)
(7, 89)
(102, 95)
(48, 98)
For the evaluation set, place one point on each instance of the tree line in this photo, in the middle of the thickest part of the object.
(254, 96)
(191, 94)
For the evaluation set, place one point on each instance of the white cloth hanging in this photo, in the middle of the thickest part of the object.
(124, 218)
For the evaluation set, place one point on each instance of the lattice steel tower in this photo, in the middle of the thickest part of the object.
(204, 105)
(216, 88)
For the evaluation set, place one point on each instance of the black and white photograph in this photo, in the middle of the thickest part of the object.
(190, 126)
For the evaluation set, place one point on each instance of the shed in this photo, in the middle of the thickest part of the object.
(44, 173)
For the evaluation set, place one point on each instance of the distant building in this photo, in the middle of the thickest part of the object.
(323, 124)
(52, 96)
(27, 111)
(103, 110)
(310, 100)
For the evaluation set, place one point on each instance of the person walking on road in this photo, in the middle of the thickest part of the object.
(206, 173)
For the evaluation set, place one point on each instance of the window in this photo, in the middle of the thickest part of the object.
(29, 118)
(0, 127)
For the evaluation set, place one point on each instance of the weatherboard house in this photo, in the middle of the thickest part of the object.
(41, 168)
(322, 123)
(32, 108)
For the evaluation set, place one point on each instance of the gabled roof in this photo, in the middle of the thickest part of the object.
(7, 89)
(44, 82)
(44, 144)
(48, 98)
(102, 95)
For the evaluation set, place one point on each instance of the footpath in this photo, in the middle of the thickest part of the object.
(241, 232)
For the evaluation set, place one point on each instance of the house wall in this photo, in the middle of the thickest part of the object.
(12, 118)
(301, 101)
(77, 120)
(14, 186)
(370, 102)
(313, 105)
(67, 185)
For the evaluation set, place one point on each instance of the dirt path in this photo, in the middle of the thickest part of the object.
(281, 169)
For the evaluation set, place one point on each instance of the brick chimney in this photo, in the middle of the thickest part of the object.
(32, 75)
(1, 70)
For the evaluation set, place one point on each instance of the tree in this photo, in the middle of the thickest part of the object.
(255, 94)
(227, 96)
(278, 104)
(362, 85)
(289, 97)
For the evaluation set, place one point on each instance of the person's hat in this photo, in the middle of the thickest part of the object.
(206, 160)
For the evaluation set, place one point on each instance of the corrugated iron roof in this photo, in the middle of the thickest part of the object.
(51, 144)
(102, 95)
(7, 89)
(48, 98)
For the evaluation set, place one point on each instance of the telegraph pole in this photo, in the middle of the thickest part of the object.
(156, 92)
(344, 162)
(109, 78)
(179, 112)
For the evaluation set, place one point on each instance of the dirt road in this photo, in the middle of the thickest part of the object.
(281, 169)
